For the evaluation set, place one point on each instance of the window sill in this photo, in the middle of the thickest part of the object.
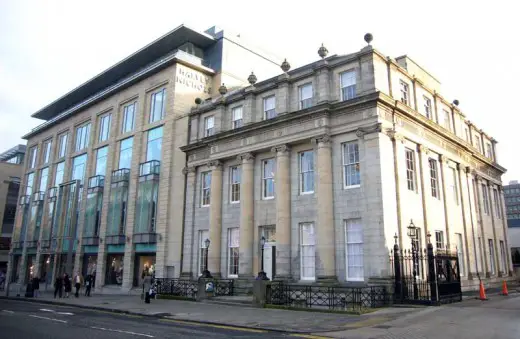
(234, 202)
(233, 276)
(204, 206)
(267, 198)
(307, 280)
(355, 280)
(351, 187)
(307, 193)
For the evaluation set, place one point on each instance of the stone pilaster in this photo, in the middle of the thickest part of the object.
(283, 212)
(502, 206)
(246, 215)
(482, 244)
(491, 199)
(282, 96)
(464, 202)
(397, 145)
(443, 163)
(190, 238)
(323, 82)
(422, 152)
(215, 219)
(326, 251)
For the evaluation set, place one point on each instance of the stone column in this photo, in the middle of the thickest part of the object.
(325, 228)
(491, 199)
(246, 215)
(422, 152)
(472, 213)
(190, 245)
(443, 162)
(504, 226)
(215, 219)
(482, 244)
(397, 144)
(283, 212)
(463, 202)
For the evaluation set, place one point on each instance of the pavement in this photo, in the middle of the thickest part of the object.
(239, 316)
(472, 318)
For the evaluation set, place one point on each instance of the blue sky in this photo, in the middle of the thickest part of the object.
(49, 47)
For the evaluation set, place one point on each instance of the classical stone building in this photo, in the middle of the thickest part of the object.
(325, 163)
(107, 190)
(329, 163)
(11, 171)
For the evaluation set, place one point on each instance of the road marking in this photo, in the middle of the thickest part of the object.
(52, 319)
(7, 311)
(193, 323)
(309, 336)
(53, 311)
(121, 331)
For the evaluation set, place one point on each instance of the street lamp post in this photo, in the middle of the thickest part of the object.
(412, 233)
(206, 273)
(262, 275)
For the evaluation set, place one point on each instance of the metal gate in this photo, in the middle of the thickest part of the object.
(425, 277)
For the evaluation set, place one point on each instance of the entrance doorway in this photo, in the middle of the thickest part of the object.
(269, 233)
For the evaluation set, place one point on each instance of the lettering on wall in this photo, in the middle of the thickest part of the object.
(193, 79)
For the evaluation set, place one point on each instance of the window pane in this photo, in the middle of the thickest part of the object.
(157, 107)
(154, 146)
(125, 153)
(44, 176)
(79, 167)
(101, 160)
(348, 85)
(307, 250)
(60, 168)
(351, 164)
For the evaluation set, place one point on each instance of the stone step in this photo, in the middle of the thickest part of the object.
(242, 301)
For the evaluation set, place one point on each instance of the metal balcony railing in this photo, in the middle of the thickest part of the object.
(149, 168)
(53, 193)
(25, 200)
(145, 238)
(38, 196)
(120, 175)
(96, 181)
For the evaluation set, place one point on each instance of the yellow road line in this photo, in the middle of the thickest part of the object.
(367, 322)
(187, 322)
(309, 336)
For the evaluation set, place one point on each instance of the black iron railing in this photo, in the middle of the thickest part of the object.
(223, 287)
(177, 287)
(327, 297)
(425, 277)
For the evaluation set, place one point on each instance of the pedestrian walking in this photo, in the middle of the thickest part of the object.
(58, 286)
(147, 286)
(88, 285)
(68, 285)
(77, 284)
(36, 286)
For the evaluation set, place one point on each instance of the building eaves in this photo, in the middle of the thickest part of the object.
(12, 152)
(135, 61)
